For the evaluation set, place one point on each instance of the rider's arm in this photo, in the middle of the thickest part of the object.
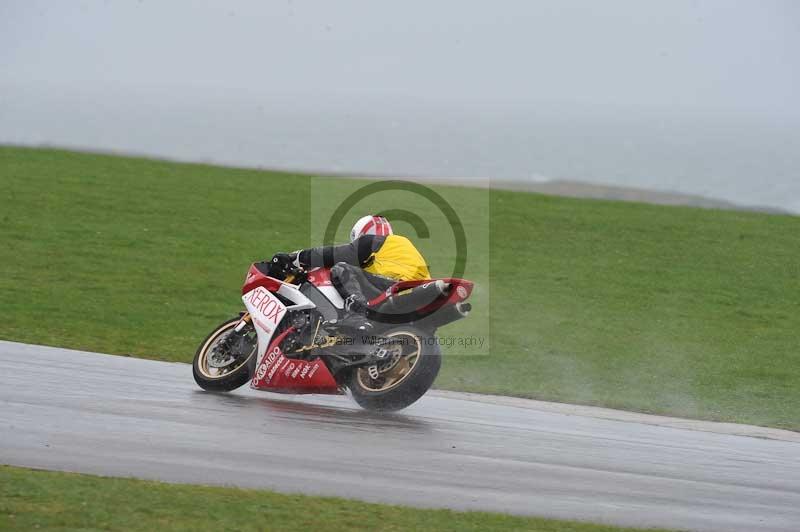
(356, 253)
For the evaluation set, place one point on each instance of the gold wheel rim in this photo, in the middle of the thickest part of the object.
(399, 369)
(202, 362)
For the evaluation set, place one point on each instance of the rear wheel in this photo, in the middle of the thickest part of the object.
(410, 367)
(223, 362)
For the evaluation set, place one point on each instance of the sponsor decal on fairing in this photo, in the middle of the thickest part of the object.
(267, 307)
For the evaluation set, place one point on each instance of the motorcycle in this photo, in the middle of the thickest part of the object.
(291, 339)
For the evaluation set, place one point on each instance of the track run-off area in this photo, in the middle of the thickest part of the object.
(118, 416)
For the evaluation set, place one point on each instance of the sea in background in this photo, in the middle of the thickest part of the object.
(736, 158)
(694, 99)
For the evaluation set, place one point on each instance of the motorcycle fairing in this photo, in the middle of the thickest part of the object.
(321, 278)
(275, 372)
(459, 290)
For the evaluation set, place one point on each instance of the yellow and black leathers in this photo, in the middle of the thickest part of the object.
(391, 256)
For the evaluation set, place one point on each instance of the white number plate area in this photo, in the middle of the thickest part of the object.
(265, 309)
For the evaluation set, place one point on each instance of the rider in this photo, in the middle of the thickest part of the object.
(374, 259)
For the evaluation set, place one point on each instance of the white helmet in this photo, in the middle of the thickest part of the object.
(371, 225)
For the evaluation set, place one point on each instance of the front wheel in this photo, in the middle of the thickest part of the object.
(412, 364)
(224, 362)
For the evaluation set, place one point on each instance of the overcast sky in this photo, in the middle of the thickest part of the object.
(723, 54)
(738, 60)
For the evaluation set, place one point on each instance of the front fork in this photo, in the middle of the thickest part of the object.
(230, 340)
(244, 321)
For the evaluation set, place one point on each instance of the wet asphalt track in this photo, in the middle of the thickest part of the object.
(109, 415)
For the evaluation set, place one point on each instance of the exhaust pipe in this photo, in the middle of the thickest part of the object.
(445, 315)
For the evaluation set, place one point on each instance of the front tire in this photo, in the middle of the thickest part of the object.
(409, 374)
(225, 379)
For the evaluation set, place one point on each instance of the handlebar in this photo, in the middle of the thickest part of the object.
(295, 276)
(286, 271)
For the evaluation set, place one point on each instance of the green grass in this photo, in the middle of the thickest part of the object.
(669, 310)
(62, 501)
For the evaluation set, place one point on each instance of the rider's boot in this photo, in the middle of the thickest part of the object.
(356, 319)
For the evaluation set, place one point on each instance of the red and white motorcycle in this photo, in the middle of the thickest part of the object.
(289, 339)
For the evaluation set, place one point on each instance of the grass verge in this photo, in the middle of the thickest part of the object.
(669, 310)
(43, 500)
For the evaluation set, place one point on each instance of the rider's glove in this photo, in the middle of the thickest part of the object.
(284, 259)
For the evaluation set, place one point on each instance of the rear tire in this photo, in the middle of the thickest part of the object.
(371, 394)
(225, 381)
